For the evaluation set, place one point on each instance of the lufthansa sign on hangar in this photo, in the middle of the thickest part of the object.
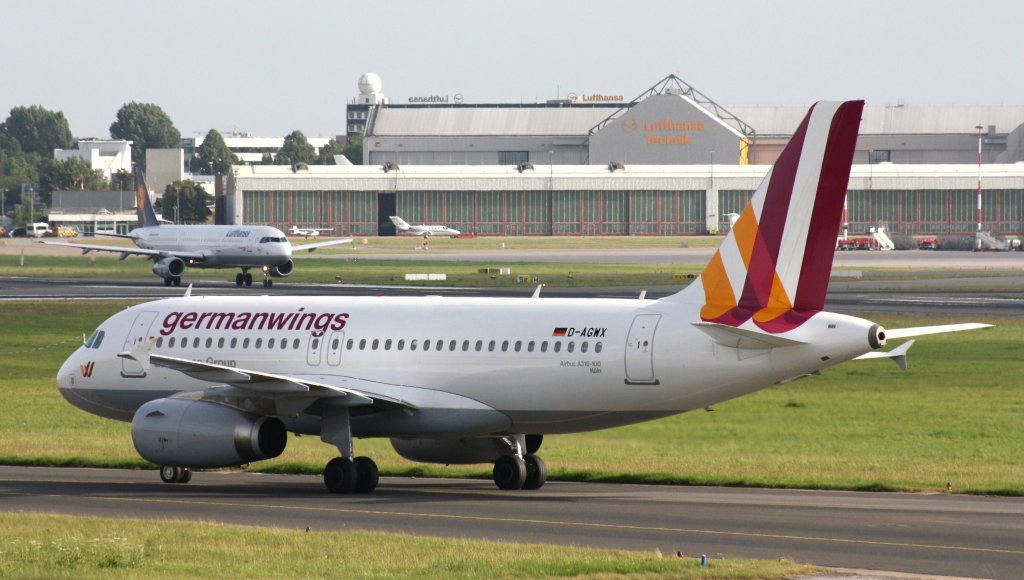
(668, 129)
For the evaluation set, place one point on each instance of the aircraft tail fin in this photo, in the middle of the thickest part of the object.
(399, 223)
(143, 205)
(774, 265)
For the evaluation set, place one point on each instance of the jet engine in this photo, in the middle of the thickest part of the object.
(169, 267)
(191, 433)
(282, 270)
(451, 451)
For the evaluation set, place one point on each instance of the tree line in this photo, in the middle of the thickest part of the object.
(30, 134)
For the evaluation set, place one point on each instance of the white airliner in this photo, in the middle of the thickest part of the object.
(175, 247)
(308, 232)
(422, 230)
(211, 382)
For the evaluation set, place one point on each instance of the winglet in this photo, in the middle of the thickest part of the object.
(188, 291)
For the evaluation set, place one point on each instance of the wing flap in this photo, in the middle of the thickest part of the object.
(276, 386)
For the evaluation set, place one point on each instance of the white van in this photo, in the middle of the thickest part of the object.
(38, 229)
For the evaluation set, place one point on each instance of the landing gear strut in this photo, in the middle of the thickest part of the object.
(345, 474)
(518, 470)
(172, 281)
(171, 474)
(267, 282)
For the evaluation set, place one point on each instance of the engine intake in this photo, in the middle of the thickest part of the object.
(283, 270)
(189, 433)
(169, 267)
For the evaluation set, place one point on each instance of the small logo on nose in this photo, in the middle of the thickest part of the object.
(87, 369)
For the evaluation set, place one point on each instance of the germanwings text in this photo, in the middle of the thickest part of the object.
(299, 320)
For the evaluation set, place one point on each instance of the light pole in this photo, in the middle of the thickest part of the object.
(978, 127)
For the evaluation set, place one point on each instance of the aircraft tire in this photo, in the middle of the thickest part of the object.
(368, 475)
(172, 474)
(536, 472)
(248, 279)
(509, 472)
(341, 475)
(239, 279)
(167, 281)
(176, 280)
(270, 283)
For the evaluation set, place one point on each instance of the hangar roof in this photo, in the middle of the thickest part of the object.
(894, 120)
(495, 120)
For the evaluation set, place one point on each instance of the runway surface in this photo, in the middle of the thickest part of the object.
(1003, 295)
(918, 533)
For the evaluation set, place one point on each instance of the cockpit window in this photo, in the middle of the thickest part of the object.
(268, 239)
(96, 339)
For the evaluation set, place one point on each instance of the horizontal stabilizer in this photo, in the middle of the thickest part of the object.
(898, 355)
(742, 338)
(923, 330)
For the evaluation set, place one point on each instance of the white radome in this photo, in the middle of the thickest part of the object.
(369, 83)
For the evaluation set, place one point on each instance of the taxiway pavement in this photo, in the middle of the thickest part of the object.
(916, 533)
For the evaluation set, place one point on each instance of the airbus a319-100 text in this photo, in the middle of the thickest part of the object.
(211, 382)
(173, 248)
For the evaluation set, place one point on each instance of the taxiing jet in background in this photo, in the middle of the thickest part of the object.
(308, 232)
(422, 230)
(173, 248)
(211, 382)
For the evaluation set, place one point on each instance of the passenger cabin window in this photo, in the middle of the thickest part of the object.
(558, 346)
(387, 344)
(245, 343)
(426, 345)
(209, 342)
(220, 342)
(376, 343)
(159, 342)
(451, 345)
(362, 344)
(583, 346)
(529, 347)
(270, 343)
(571, 346)
(170, 342)
(544, 346)
(465, 345)
(413, 343)
(479, 345)
(234, 342)
(350, 343)
(490, 346)
(597, 347)
(195, 342)
(519, 345)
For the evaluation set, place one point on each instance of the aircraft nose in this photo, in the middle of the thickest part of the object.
(66, 374)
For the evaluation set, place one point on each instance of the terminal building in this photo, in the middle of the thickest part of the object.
(668, 162)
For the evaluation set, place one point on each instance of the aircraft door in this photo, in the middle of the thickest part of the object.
(313, 352)
(137, 336)
(640, 350)
(334, 346)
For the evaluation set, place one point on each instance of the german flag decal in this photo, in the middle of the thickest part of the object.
(559, 331)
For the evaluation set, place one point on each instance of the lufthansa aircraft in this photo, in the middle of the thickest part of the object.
(175, 247)
(422, 230)
(212, 382)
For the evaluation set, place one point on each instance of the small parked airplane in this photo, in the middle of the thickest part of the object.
(173, 247)
(308, 232)
(422, 230)
(212, 381)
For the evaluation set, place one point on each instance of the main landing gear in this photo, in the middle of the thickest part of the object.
(172, 281)
(521, 470)
(345, 474)
(171, 474)
(244, 278)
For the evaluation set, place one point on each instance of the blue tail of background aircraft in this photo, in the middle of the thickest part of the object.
(143, 206)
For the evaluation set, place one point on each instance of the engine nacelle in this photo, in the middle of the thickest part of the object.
(169, 267)
(283, 270)
(190, 433)
(452, 451)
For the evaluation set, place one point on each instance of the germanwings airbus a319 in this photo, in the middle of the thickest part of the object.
(175, 247)
(212, 382)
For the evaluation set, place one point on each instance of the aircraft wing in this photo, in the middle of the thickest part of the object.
(301, 392)
(315, 245)
(126, 251)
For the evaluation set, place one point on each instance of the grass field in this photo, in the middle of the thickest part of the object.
(955, 417)
(47, 546)
(363, 269)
